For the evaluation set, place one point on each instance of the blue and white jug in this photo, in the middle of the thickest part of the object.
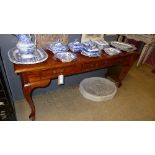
(25, 44)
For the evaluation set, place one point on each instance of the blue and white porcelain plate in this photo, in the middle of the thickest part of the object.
(65, 56)
(17, 57)
(112, 51)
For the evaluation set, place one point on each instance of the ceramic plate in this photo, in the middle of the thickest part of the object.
(123, 46)
(65, 56)
(37, 56)
(112, 51)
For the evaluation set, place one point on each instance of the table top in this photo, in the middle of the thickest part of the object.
(51, 62)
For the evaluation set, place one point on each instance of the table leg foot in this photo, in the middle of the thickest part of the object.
(153, 71)
(32, 116)
(27, 93)
(119, 84)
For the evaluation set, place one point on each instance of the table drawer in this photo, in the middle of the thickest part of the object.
(54, 73)
(92, 66)
(51, 73)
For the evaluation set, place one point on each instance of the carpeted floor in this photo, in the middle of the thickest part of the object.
(135, 100)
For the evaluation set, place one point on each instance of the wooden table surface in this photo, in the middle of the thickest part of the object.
(52, 63)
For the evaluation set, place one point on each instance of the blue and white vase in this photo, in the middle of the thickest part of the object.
(25, 44)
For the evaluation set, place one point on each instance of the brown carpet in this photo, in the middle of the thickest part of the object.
(135, 100)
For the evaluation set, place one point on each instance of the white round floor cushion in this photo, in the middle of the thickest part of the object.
(97, 89)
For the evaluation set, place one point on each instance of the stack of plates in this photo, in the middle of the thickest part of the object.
(90, 49)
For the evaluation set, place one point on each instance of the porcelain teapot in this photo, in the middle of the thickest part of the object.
(25, 44)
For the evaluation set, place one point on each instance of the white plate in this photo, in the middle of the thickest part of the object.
(37, 56)
(123, 46)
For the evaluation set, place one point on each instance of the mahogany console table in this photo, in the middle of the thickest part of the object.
(40, 75)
